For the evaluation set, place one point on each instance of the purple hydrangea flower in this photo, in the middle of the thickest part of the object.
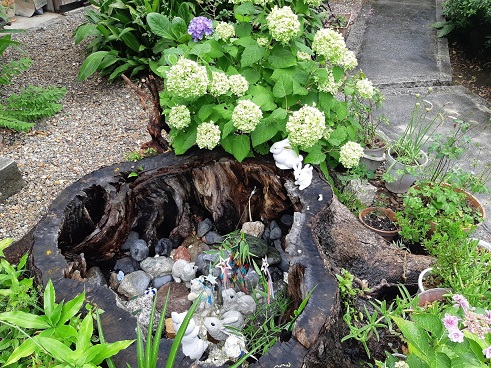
(487, 352)
(199, 27)
(456, 335)
(450, 322)
(461, 301)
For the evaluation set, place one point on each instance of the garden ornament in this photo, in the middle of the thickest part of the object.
(219, 328)
(198, 286)
(183, 270)
(284, 156)
(238, 301)
(303, 176)
(234, 346)
(192, 345)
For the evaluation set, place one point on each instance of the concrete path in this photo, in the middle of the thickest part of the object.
(400, 53)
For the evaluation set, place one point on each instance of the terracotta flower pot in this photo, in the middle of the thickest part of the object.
(391, 215)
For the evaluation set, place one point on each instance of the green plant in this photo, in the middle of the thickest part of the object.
(122, 40)
(447, 336)
(56, 330)
(442, 205)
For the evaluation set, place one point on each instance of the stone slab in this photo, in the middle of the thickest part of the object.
(10, 178)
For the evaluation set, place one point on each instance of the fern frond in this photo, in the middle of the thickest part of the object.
(10, 70)
(34, 103)
(7, 121)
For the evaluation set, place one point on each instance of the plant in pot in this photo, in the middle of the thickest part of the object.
(363, 100)
(380, 220)
(405, 156)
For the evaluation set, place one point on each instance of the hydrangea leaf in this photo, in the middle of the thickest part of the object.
(251, 55)
(283, 87)
(183, 142)
(315, 155)
(281, 58)
(338, 136)
(263, 133)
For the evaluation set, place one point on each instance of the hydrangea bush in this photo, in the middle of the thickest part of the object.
(274, 73)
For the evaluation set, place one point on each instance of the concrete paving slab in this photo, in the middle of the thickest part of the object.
(10, 178)
(35, 22)
(454, 101)
(400, 47)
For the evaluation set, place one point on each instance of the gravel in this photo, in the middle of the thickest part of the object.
(99, 123)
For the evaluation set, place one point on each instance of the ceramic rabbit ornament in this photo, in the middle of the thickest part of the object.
(192, 345)
(303, 176)
(284, 156)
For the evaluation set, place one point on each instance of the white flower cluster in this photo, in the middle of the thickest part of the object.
(306, 126)
(246, 116)
(262, 41)
(365, 88)
(179, 117)
(187, 79)
(220, 84)
(238, 84)
(283, 24)
(301, 55)
(224, 31)
(327, 133)
(350, 154)
(329, 85)
(331, 45)
(208, 135)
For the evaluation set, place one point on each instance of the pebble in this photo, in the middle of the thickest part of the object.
(164, 247)
(134, 284)
(157, 266)
(139, 250)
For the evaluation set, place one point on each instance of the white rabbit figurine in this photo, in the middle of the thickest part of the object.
(303, 176)
(183, 270)
(284, 156)
(238, 301)
(192, 345)
(217, 328)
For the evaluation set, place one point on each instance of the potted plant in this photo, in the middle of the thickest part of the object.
(363, 100)
(340, 22)
(380, 220)
(405, 156)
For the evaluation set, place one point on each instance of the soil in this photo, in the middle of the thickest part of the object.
(379, 220)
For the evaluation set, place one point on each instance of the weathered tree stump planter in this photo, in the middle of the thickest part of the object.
(94, 216)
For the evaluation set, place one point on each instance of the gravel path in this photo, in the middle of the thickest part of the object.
(99, 123)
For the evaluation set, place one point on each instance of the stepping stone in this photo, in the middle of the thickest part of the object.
(10, 178)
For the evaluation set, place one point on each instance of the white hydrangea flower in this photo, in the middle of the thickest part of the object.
(329, 85)
(283, 24)
(262, 41)
(327, 133)
(330, 44)
(401, 364)
(350, 154)
(348, 60)
(261, 2)
(306, 126)
(187, 79)
(208, 135)
(179, 117)
(224, 31)
(219, 84)
(365, 88)
(238, 84)
(246, 116)
(301, 55)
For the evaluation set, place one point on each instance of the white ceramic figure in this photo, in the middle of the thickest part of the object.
(198, 286)
(192, 345)
(183, 270)
(284, 156)
(303, 176)
(238, 301)
(234, 346)
(217, 328)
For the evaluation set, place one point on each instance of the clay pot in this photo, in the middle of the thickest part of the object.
(387, 235)
(403, 181)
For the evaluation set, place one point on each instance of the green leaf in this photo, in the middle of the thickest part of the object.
(205, 112)
(91, 64)
(241, 146)
(85, 332)
(263, 97)
(252, 75)
(263, 133)
(337, 73)
(23, 350)
(84, 31)
(315, 155)
(281, 58)
(185, 141)
(338, 136)
(200, 49)
(417, 338)
(222, 111)
(283, 87)
(160, 25)
(55, 348)
(251, 55)
(71, 308)
(130, 40)
(227, 129)
(25, 320)
(97, 353)
(246, 8)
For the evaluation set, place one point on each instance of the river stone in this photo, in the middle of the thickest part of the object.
(212, 237)
(114, 281)
(196, 249)
(95, 276)
(164, 247)
(363, 190)
(133, 236)
(134, 284)
(139, 250)
(181, 253)
(157, 266)
(160, 281)
(275, 233)
(287, 220)
(204, 226)
(255, 228)
(178, 298)
(251, 281)
(257, 246)
(274, 256)
(125, 264)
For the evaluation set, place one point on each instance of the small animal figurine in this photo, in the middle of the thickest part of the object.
(234, 346)
(183, 270)
(192, 345)
(238, 301)
(284, 156)
(217, 328)
(303, 176)
(198, 286)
